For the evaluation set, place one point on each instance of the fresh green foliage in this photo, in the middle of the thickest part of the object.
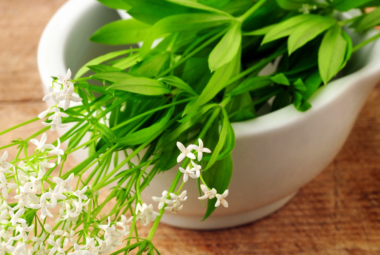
(202, 76)
(227, 48)
(331, 53)
(121, 32)
(140, 85)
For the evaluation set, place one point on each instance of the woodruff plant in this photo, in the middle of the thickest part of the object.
(201, 77)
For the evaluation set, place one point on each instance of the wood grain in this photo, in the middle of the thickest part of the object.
(336, 213)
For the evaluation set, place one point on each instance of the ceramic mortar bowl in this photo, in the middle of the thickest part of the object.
(275, 154)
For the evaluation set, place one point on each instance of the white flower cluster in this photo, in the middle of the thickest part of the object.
(30, 195)
(65, 94)
(192, 170)
(305, 8)
(16, 219)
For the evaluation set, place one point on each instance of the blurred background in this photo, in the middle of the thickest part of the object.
(337, 213)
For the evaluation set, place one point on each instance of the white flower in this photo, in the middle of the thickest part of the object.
(79, 251)
(5, 171)
(161, 200)
(44, 206)
(80, 194)
(196, 168)
(39, 242)
(5, 185)
(124, 224)
(180, 198)
(145, 214)
(15, 218)
(55, 195)
(176, 202)
(221, 199)
(68, 96)
(305, 8)
(90, 243)
(6, 247)
(3, 163)
(65, 80)
(79, 206)
(110, 232)
(18, 250)
(200, 149)
(44, 164)
(41, 145)
(56, 118)
(56, 121)
(210, 194)
(175, 207)
(37, 181)
(23, 230)
(69, 214)
(188, 172)
(70, 236)
(52, 94)
(57, 151)
(48, 228)
(44, 113)
(56, 246)
(185, 152)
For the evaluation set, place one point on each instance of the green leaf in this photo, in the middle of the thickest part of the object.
(151, 11)
(152, 65)
(107, 133)
(368, 21)
(127, 62)
(280, 79)
(227, 48)
(331, 53)
(217, 82)
(187, 122)
(292, 4)
(104, 68)
(178, 83)
(286, 27)
(180, 23)
(121, 32)
(80, 133)
(143, 86)
(83, 95)
(308, 31)
(144, 134)
(282, 99)
(261, 31)
(116, 4)
(222, 139)
(348, 54)
(196, 5)
(312, 83)
(299, 85)
(101, 59)
(214, 3)
(346, 5)
(218, 177)
(297, 99)
(112, 76)
(250, 84)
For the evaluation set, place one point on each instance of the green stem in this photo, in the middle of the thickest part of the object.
(211, 40)
(19, 125)
(365, 42)
(251, 10)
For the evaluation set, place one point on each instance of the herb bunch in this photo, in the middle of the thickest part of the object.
(201, 75)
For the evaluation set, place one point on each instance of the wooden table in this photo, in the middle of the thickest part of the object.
(336, 213)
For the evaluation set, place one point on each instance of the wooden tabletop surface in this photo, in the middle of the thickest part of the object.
(337, 213)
